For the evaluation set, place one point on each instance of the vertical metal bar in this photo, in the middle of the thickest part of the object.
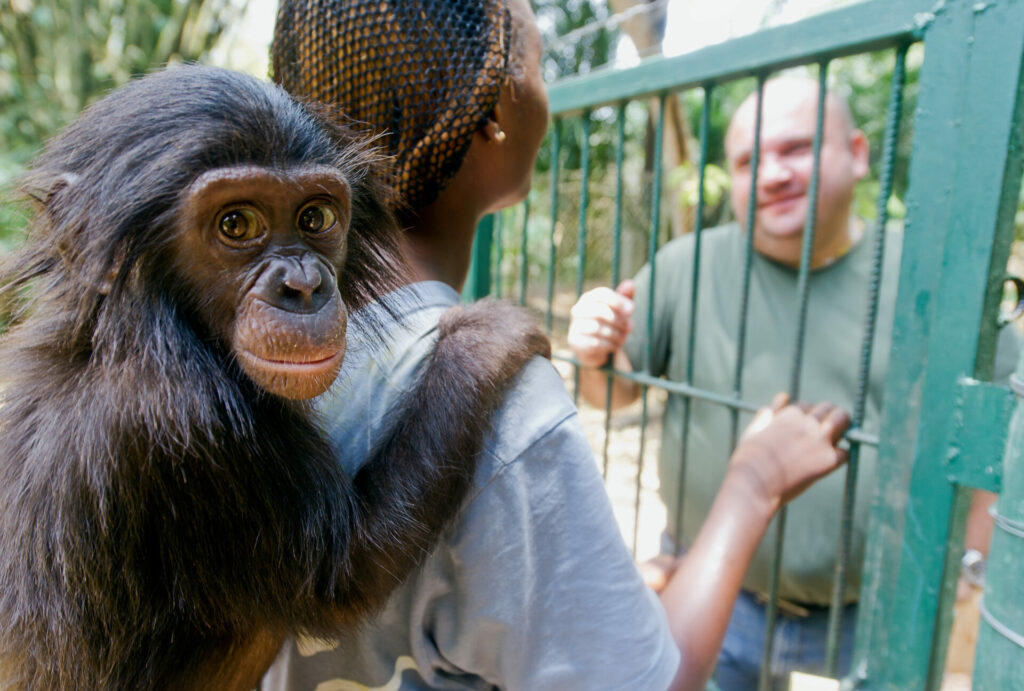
(555, 146)
(620, 141)
(659, 134)
(748, 256)
(891, 136)
(524, 255)
(584, 200)
(807, 248)
(478, 280)
(803, 291)
(655, 223)
(581, 242)
(499, 251)
(691, 345)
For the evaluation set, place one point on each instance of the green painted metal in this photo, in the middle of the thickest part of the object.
(855, 29)
(524, 256)
(748, 255)
(965, 176)
(705, 126)
(999, 663)
(980, 432)
(581, 241)
(478, 280)
(556, 131)
(892, 129)
(620, 145)
(659, 138)
(499, 245)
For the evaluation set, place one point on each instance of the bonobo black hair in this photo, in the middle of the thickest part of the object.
(164, 521)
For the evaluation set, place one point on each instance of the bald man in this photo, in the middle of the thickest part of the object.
(614, 322)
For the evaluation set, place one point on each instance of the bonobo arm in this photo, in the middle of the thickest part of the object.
(416, 480)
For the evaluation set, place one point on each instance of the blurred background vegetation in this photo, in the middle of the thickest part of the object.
(57, 56)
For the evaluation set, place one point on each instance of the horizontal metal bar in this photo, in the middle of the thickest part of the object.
(858, 28)
(856, 435)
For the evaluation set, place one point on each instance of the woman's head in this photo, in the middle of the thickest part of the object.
(426, 74)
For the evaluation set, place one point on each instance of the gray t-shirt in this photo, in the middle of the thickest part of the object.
(532, 588)
(836, 311)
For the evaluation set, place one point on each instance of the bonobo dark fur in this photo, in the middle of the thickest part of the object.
(163, 520)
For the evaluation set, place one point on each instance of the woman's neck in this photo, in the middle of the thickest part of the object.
(438, 240)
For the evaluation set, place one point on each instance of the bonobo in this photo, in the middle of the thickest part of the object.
(169, 508)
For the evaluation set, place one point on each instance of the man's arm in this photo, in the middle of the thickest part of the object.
(785, 449)
(599, 324)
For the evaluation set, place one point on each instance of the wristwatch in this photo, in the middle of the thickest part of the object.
(972, 567)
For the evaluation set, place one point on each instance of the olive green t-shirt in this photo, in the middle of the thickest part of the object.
(837, 306)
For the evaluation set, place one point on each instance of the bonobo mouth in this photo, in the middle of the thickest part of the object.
(300, 376)
(298, 362)
(298, 365)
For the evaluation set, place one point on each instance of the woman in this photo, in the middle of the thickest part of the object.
(533, 587)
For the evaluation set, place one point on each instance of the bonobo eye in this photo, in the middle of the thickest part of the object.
(317, 217)
(239, 224)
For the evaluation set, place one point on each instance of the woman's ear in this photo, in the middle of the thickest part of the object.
(491, 130)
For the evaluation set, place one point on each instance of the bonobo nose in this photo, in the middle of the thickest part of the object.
(296, 284)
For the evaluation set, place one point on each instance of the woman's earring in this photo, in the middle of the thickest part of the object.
(494, 131)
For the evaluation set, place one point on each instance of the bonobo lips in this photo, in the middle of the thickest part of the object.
(297, 366)
(301, 376)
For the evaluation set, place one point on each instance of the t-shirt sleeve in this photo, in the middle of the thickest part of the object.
(668, 303)
(547, 594)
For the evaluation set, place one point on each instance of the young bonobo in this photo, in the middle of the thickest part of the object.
(169, 508)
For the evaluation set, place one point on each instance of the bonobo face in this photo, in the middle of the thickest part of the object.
(262, 249)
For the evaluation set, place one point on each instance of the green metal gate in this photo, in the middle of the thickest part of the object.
(943, 428)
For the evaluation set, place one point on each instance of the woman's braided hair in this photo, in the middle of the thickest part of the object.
(423, 74)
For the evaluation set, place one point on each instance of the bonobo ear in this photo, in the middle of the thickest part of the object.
(47, 194)
(51, 195)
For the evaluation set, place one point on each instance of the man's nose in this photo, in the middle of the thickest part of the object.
(772, 171)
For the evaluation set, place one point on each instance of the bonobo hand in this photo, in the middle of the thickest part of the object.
(600, 321)
(787, 447)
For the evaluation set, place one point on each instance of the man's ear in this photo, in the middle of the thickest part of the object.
(859, 151)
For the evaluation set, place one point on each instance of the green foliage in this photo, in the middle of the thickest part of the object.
(57, 57)
(562, 58)
(685, 179)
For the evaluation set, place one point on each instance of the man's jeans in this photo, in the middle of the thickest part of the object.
(799, 645)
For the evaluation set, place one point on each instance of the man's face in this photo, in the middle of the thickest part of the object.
(785, 167)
